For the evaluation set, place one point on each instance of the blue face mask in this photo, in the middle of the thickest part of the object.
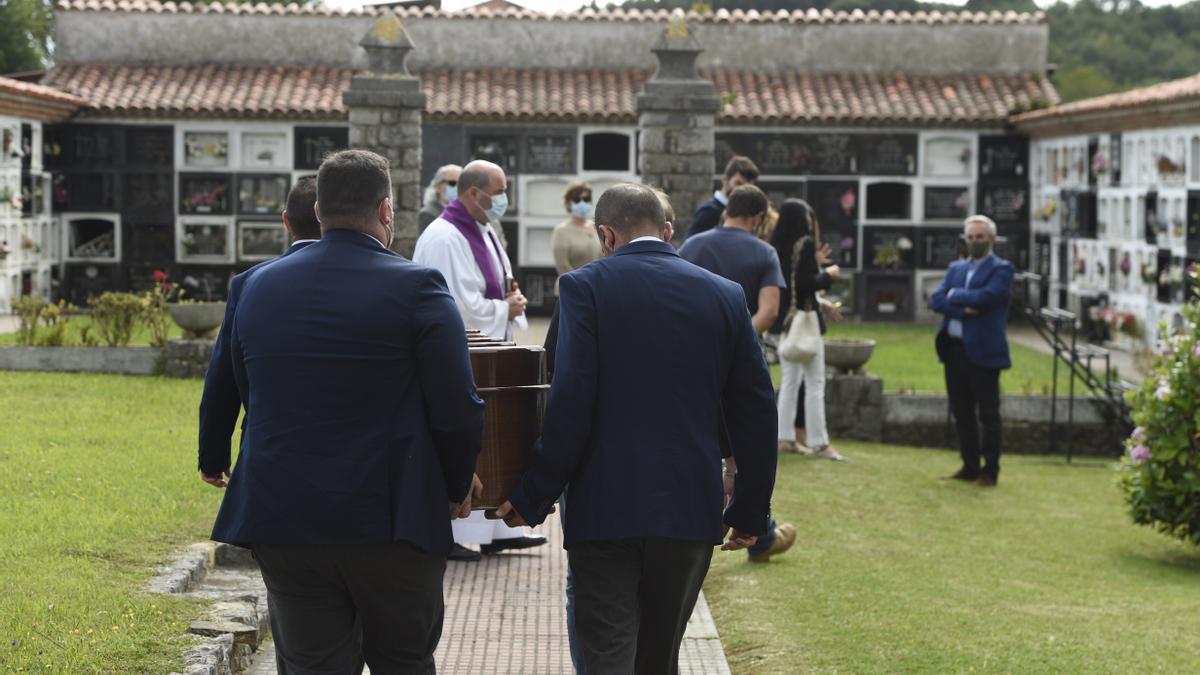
(451, 193)
(499, 206)
(581, 209)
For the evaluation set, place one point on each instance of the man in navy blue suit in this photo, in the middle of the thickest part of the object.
(221, 402)
(362, 430)
(973, 299)
(651, 349)
(738, 171)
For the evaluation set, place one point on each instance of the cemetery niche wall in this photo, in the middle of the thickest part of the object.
(189, 177)
(1116, 207)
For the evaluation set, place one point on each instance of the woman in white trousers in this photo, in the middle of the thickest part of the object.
(807, 278)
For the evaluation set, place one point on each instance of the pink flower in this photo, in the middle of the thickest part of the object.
(1139, 453)
(1196, 351)
(1139, 434)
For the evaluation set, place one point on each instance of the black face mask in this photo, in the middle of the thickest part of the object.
(978, 249)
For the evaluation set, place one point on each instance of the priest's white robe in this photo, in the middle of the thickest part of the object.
(442, 247)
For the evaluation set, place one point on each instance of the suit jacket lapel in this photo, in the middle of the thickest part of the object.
(981, 273)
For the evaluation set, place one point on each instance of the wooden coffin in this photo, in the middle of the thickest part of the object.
(511, 380)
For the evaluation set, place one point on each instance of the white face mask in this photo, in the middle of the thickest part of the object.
(499, 207)
(451, 193)
(581, 209)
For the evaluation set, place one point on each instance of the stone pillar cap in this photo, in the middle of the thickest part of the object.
(387, 45)
(677, 50)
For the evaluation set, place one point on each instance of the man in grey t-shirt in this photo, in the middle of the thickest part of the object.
(733, 252)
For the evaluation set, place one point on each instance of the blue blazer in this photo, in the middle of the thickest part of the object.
(221, 402)
(989, 293)
(362, 420)
(707, 216)
(651, 349)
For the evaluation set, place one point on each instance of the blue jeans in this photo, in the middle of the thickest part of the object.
(764, 542)
(572, 637)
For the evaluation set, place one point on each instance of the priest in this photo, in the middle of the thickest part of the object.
(463, 245)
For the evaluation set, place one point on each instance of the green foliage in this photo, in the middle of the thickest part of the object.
(42, 324)
(116, 316)
(1082, 82)
(25, 27)
(28, 310)
(1161, 473)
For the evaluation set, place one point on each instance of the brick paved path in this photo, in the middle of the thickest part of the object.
(504, 616)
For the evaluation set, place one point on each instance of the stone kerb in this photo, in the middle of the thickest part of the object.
(386, 104)
(856, 408)
(677, 111)
(116, 360)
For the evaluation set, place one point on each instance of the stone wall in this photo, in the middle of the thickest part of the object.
(857, 408)
(187, 358)
(577, 42)
(116, 360)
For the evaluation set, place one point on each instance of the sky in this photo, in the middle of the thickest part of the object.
(565, 5)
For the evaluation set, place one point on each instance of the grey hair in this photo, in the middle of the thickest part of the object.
(980, 218)
(431, 197)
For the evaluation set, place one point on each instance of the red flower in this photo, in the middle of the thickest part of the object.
(159, 276)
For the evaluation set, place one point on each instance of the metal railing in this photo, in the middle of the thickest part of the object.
(1060, 329)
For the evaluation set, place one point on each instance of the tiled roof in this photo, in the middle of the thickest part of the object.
(505, 94)
(208, 90)
(801, 16)
(876, 98)
(1175, 91)
(25, 99)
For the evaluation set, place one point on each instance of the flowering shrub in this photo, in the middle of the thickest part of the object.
(42, 324)
(1161, 474)
(154, 306)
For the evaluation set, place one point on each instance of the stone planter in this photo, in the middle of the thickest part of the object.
(848, 355)
(120, 360)
(197, 319)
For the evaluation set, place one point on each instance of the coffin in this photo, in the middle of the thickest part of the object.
(511, 380)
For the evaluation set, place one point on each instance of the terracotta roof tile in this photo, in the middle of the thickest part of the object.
(1175, 91)
(35, 101)
(605, 14)
(507, 94)
(208, 90)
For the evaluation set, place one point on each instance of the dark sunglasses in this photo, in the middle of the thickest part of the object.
(587, 200)
(451, 183)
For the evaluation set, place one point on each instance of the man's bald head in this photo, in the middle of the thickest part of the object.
(478, 183)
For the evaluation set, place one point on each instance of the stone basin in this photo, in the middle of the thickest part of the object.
(197, 319)
(848, 355)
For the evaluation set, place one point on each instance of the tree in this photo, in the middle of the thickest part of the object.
(24, 35)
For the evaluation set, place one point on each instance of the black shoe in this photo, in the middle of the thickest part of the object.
(463, 554)
(963, 475)
(513, 544)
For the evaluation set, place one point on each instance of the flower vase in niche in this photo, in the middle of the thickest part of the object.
(846, 248)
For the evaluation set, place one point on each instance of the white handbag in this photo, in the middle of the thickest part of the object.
(803, 339)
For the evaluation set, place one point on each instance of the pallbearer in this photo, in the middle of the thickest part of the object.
(464, 247)
(652, 351)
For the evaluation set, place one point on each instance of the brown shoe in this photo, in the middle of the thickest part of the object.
(963, 475)
(785, 536)
(986, 481)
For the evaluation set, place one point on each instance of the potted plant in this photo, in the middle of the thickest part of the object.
(198, 318)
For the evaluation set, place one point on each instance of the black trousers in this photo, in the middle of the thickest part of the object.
(633, 598)
(332, 607)
(975, 399)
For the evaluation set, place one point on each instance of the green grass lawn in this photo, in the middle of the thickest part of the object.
(895, 571)
(141, 336)
(99, 486)
(905, 358)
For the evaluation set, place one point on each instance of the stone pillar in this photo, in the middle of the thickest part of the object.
(386, 104)
(677, 110)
